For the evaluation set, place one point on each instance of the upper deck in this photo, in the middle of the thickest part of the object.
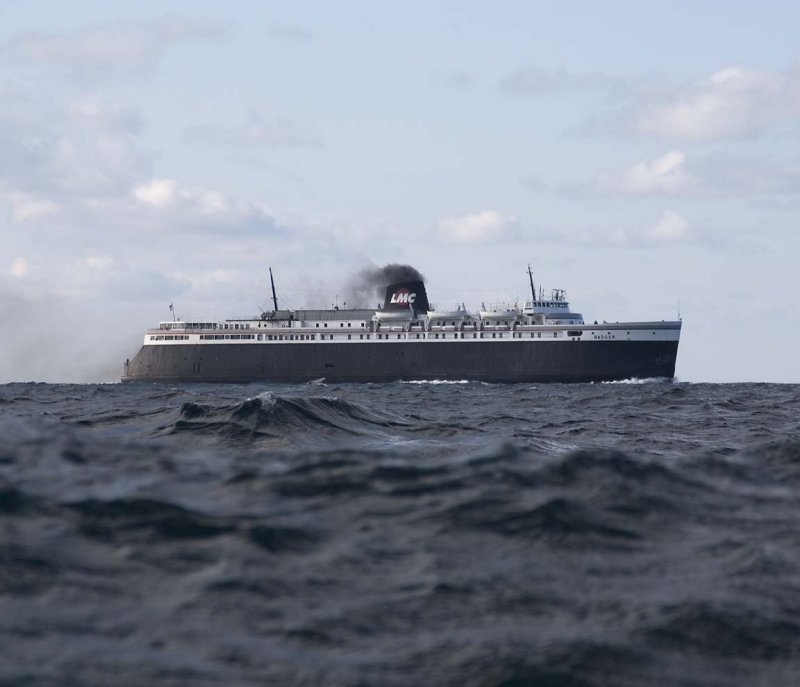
(401, 319)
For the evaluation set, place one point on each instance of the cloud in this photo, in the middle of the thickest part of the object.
(105, 51)
(26, 207)
(664, 174)
(57, 150)
(158, 192)
(670, 227)
(184, 210)
(718, 174)
(731, 102)
(93, 112)
(479, 227)
(19, 268)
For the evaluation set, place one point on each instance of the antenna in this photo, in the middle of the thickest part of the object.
(274, 297)
(172, 310)
(530, 277)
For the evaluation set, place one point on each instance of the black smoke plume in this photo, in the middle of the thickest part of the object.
(369, 285)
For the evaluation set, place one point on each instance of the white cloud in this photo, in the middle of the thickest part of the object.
(478, 227)
(99, 262)
(665, 174)
(19, 268)
(158, 192)
(164, 205)
(26, 207)
(731, 102)
(670, 227)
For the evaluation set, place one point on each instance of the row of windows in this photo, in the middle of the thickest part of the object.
(330, 337)
(549, 304)
(217, 337)
(341, 324)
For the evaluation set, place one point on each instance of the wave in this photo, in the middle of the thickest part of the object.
(270, 416)
(730, 630)
(643, 380)
(436, 381)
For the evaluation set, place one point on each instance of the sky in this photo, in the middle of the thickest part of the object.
(642, 156)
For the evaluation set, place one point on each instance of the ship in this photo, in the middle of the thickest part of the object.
(406, 339)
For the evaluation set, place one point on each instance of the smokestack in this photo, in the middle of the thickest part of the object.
(405, 295)
(370, 283)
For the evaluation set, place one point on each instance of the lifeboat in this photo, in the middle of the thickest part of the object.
(393, 315)
(499, 314)
(451, 315)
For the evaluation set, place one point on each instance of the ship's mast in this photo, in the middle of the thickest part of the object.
(274, 297)
(530, 277)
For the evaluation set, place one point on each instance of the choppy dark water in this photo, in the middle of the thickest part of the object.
(401, 534)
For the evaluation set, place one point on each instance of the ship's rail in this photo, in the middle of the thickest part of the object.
(617, 331)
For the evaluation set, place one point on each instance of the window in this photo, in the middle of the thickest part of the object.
(326, 324)
(349, 337)
(348, 324)
(360, 336)
(317, 325)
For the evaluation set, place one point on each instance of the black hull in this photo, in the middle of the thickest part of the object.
(509, 361)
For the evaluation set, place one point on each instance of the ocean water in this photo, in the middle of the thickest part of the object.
(400, 534)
